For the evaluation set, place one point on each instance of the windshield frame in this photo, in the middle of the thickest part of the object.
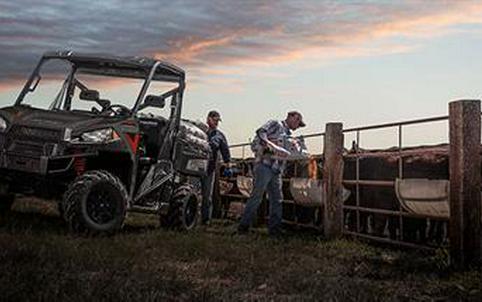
(68, 82)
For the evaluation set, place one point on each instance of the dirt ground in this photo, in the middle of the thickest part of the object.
(41, 261)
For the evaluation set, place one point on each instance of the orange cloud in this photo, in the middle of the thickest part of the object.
(217, 42)
(426, 26)
(188, 49)
(12, 85)
(346, 41)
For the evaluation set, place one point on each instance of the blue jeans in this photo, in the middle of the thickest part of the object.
(207, 196)
(265, 179)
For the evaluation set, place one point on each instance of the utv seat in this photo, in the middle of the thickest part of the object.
(153, 131)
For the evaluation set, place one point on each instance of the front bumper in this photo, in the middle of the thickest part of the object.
(42, 165)
(23, 163)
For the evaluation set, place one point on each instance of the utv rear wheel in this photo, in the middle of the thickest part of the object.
(189, 212)
(183, 212)
(95, 203)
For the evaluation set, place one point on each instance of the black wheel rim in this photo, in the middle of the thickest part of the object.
(101, 205)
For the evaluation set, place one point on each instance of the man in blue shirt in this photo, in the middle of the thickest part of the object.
(270, 147)
(218, 143)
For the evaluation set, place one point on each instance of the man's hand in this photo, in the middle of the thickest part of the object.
(228, 172)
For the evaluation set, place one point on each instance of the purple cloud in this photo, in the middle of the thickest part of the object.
(198, 34)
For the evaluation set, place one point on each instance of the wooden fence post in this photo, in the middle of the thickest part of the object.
(332, 181)
(465, 180)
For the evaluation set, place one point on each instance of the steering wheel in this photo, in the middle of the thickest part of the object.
(118, 109)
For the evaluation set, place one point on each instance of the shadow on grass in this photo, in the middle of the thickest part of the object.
(36, 222)
(31, 222)
(40, 260)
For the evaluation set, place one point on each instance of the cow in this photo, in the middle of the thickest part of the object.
(430, 162)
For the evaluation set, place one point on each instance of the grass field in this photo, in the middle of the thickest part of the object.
(41, 261)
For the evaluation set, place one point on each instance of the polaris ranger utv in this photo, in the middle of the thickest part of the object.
(102, 157)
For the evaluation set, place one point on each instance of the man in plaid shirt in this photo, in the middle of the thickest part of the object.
(270, 146)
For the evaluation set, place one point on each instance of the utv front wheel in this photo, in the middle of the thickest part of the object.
(95, 203)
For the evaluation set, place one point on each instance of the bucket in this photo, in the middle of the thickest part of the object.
(309, 192)
(245, 185)
(428, 197)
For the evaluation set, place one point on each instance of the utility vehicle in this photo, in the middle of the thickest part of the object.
(94, 133)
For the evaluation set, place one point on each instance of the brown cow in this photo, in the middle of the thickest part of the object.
(420, 162)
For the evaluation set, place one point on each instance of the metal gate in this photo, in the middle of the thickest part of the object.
(355, 185)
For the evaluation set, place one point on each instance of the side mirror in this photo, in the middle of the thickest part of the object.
(103, 103)
(34, 83)
(154, 101)
(89, 95)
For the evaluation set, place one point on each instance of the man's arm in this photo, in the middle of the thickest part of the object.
(219, 143)
(224, 148)
(214, 143)
(267, 129)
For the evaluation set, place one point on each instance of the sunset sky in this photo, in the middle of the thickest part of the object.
(357, 62)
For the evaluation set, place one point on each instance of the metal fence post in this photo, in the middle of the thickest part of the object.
(465, 200)
(332, 180)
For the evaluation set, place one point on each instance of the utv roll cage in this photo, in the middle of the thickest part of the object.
(115, 66)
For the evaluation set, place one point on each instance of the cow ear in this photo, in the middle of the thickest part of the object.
(354, 146)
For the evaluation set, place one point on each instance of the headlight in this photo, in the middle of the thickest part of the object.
(199, 165)
(99, 136)
(3, 124)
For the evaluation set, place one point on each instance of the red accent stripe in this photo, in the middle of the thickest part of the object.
(79, 165)
(133, 140)
(129, 123)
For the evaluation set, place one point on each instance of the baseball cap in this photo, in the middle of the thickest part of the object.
(213, 114)
(294, 112)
